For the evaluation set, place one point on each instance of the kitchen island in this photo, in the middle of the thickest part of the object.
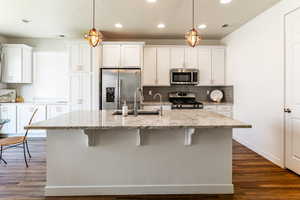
(97, 153)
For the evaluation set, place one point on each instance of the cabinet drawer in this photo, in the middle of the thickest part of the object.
(227, 114)
(225, 108)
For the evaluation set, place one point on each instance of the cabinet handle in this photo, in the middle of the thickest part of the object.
(287, 110)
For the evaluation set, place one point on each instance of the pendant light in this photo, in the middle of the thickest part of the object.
(93, 36)
(193, 37)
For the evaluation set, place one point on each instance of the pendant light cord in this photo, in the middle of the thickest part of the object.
(193, 13)
(93, 13)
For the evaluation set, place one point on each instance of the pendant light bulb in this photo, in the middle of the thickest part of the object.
(193, 37)
(94, 37)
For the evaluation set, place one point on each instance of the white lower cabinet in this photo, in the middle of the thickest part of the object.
(56, 110)
(226, 110)
(24, 113)
(9, 112)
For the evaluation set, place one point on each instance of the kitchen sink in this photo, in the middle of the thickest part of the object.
(140, 112)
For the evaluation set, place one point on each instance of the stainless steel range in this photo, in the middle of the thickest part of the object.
(184, 100)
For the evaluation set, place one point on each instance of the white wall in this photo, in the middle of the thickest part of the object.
(50, 70)
(255, 66)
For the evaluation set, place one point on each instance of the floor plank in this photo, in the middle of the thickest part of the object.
(254, 178)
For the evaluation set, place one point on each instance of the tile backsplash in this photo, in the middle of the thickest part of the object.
(200, 91)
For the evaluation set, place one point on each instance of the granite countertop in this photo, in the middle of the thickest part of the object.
(155, 103)
(170, 119)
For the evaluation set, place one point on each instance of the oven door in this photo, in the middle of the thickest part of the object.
(183, 78)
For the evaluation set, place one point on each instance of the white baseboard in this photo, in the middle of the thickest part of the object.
(138, 189)
(255, 148)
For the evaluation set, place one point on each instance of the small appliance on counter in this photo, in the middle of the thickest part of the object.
(8, 96)
(184, 100)
(216, 96)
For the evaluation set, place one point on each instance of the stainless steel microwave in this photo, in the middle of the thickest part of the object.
(184, 76)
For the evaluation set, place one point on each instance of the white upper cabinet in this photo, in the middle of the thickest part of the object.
(177, 57)
(218, 66)
(149, 69)
(80, 58)
(163, 66)
(205, 69)
(17, 65)
(111, 55)
(131, 55)
(122, 55)
(190, 58)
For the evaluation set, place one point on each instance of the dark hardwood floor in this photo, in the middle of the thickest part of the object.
(254, 177)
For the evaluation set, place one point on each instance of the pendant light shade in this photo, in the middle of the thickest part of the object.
(193, 37)
(94, 37)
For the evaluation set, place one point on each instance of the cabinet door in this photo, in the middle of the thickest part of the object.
(163, 66)
(191, 58)
(149, 69)
(12, 72)
(9, 112)
(177, 57)
(24, 113)
(111, 55)
(56, 110)
(80, 58)
(131, 55)
(85, 58)
(218, 66)
(27, 66)
(204, 59)
(80, 91)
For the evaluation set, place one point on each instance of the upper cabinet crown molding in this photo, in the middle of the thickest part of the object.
(17, 63)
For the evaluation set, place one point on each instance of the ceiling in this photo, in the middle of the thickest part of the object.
(50, 18)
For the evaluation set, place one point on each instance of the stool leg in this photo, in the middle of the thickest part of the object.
(1, 159)
(24, 151)
(27, 149)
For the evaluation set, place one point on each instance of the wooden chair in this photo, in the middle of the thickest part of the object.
(11, 142)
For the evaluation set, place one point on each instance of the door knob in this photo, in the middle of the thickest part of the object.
(287, 110)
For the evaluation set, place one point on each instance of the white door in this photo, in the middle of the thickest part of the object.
(9, 112)
(218, 66)
(191, 58)
(204, 58)
(163, 66)
(131, 55)
(177, 57)
(292, 157)
(149, 69)
(12, 72)
(111, 55)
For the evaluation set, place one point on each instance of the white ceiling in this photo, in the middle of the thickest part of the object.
(139, 18)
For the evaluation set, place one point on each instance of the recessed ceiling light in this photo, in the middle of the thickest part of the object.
(225, 1)
(118, 25)
(151, 1)
(26, 21)
(161, 25)
(202, 26)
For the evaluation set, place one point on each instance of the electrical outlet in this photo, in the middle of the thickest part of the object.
(207, 92)
(150, 93)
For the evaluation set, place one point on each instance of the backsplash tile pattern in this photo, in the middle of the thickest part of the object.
(200, 91)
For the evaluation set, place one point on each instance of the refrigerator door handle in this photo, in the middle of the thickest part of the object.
(120, 90)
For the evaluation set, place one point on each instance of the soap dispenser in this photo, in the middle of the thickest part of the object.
(124, 109)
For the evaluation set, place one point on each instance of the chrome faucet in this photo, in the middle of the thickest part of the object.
(135, 105)
(160, 100)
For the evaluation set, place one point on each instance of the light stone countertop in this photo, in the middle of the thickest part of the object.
(170, 119)
(167, 103)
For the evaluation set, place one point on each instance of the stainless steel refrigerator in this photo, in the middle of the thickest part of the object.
(118, 85)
